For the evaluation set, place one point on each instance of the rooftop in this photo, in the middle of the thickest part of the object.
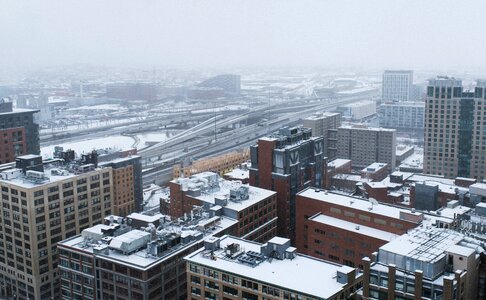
(357, 203)
(128, 246)
(301, 273)
(210, 188)
(338, 162)
(366, 128)
(353, 227)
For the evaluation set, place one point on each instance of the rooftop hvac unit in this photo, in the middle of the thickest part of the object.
(35, 174)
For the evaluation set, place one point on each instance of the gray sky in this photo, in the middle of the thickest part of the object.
(430, 34)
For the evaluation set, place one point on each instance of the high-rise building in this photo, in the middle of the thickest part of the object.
(426, 263)
(122, 260)
(44, 203)
(402, 115)
(325, 124)
(288, 162)
(397, 86)
(233, 268)
(455, 140)
(230, 83)
(19, 133)
(366, 145)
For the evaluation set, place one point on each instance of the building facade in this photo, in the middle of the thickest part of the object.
(232, 268)
(344, 229)
(397, 86)
(366, 145)
(287, 163)
(402, 115)
(455, 139)
(230, 83)
(255, 209)
(119, 261)
(41, 207)
(325, 124)
(431, 263)
(19, 133)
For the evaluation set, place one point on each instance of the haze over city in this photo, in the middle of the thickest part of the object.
(433, 35)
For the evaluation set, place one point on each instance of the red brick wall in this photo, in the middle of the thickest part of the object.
(265, 163)
(180, 203)
(9, 138)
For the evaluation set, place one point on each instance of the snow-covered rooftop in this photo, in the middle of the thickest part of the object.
(303, 274)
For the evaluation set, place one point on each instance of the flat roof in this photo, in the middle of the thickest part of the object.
(356, 203)
(338, 162)
(238, 173)
(353, 227)
(303, 274)
(140, 259)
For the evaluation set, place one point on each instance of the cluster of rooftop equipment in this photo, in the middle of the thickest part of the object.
(276, 248)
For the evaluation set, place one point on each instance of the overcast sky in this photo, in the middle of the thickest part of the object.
(432, 34)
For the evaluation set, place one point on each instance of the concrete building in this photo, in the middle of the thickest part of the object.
(230, 83)
(253, 208)
(454, 135)
(325, 124)
(358, 111)
(431, 263)
(288, 162)
(233, 268)
(402, 115)
(119, 261)
(42, 205)
(132, 91)
(344, 229)
(19, 133)
(397, 86)
(366, 145)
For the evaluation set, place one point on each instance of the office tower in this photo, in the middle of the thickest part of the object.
(397, 86)
(325, 124)
(430, 263)
(239, 269)
(127, 184)
(288, 162)
(43, 205)
(230, 83)
(402, 115)
(365, 145)
(454, 129)
(138, 257)
(253, 208)
(344, 229)
(19, 133)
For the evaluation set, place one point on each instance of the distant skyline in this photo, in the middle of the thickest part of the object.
(381, 34)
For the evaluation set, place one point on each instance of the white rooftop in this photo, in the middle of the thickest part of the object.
(303, 274)
(238, 173)
(353, 227)
(338, 162)
(356, 203)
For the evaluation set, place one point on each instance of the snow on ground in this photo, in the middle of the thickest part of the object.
(117, 142)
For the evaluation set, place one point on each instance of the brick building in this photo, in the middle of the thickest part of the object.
(254, 208)
(344, 229)
(288, 162)
(18, 133)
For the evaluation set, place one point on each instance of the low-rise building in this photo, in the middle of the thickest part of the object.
(427, 262)
(344, 229)
(254, 208)
(118, 261)
(234, 268)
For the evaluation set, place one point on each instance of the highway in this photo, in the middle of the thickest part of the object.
(202, 142)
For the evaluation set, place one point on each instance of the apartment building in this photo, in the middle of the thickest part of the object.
(143, 260)
(397, 85)
(455, 139)
(233, 268)
(42, 204)
(403, 116)
(325, 124)
(287, 162)
(254, 208)
(365, 145)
